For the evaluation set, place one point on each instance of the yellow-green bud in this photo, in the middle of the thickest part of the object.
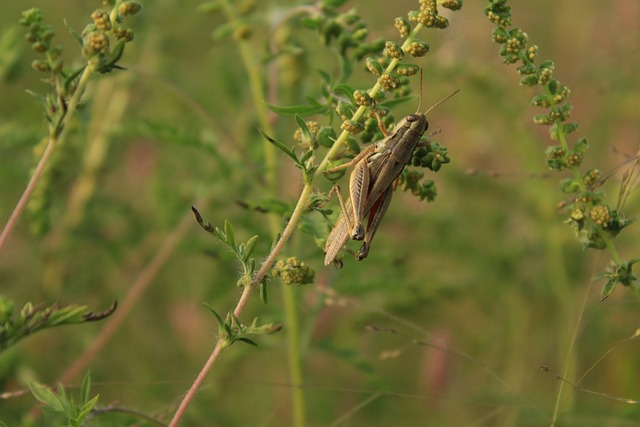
(361, 97)
(403, 27)
(392, 50)
(388, 82)
(374, 66)
(600, 215)
(418, 48)
(129, 8)
(101, 19)
(352, 126)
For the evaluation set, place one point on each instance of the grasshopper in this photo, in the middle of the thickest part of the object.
(371, 183)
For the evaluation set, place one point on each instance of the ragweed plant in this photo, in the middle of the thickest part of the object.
(31, 319)
(596, 223)
(102, 44)
(358, 112)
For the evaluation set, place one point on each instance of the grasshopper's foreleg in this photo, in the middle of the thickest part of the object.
(381, 125)
(375, 217)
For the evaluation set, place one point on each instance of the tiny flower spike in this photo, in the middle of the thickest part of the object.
(293, 272)
(101, 54)
(594, 223)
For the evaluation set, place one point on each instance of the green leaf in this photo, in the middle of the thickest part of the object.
(223, 31)
(263, 293)
(73, 32)
(569, 186)
(228, 231)
(582, 145)
(248, 341)
(333, 4)
(307, 135)
(607, 289)
(251, 245)
(87, 408)
(306, 156)
(215, 313)
(37, 96)
(45, 395)
(567, 128)
(209, 7)
(345, 90)
(280, 146)
(326, 136)
(529, 80)
(85, 389)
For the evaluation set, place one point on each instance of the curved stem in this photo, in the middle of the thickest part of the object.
(55, 137)
(196, 385)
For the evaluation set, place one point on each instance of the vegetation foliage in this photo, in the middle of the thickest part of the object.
(478, 309)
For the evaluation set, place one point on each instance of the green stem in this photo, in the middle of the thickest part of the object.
(291, 314)
(295, 357)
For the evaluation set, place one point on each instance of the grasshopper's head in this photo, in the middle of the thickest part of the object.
(418, 122)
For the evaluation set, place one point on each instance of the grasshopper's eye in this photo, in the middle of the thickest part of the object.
(412, 117)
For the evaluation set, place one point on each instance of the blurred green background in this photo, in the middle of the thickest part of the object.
(467, 296)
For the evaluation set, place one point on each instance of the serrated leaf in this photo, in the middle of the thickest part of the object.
(302, 110)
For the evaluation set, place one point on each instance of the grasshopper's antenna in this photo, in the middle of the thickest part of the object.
(420, 102)
(439, 102)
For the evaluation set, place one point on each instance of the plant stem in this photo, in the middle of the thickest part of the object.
(295, 356)
(296, 371)
(55, 137)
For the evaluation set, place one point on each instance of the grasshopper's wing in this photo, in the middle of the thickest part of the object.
(383, 171)
(339, 235)
(359, 192)
(375, 217)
